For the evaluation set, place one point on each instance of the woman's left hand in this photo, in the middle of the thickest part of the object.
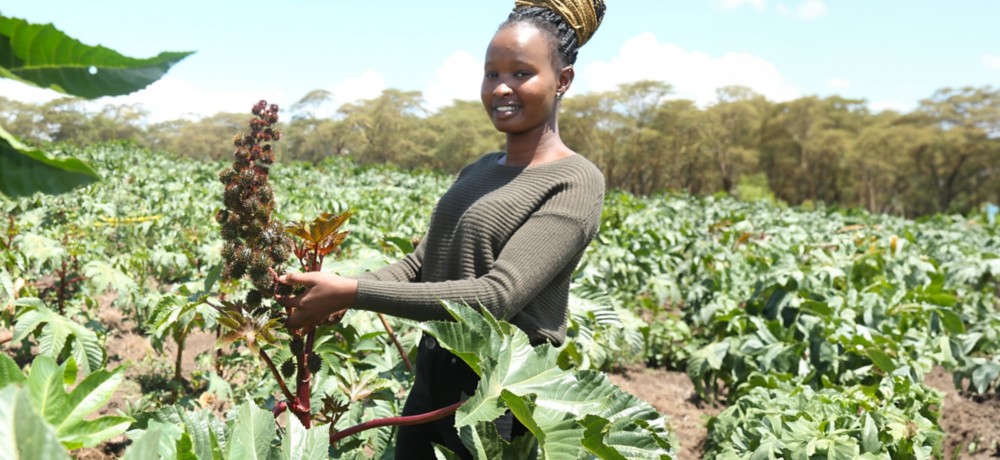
(325, 294)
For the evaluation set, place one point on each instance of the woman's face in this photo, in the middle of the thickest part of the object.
(519, 80)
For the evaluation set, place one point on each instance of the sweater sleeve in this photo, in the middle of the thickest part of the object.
(534, 255)
(545, 244)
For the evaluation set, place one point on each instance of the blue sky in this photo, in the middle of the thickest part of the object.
(890, 52)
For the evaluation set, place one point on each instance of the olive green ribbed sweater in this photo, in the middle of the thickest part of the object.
(507, 238)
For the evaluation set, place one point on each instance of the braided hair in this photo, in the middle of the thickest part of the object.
(564, 40)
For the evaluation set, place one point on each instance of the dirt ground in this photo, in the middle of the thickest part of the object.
(971, 423)
(672, 393)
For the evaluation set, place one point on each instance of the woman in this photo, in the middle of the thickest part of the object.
(506, 236)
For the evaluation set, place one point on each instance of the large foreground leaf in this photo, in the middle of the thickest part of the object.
(24, 170)
(56, 330)
(44, 56)
(252, 435)
(23, 433)
(569, 413)
(65, 412)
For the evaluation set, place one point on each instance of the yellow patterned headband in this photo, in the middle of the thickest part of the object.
(580, 14)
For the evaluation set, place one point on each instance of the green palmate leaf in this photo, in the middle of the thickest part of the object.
(302, 444)
(984, 376)
(145, 448)
(183, 434)
(881, 359)
(869, 435)
(56, 331)
(252, 434)
(66, 411)
(44, 56)
(488, 445)
(24, 170)
(102, 275)
(552, 403)
(9, 371)
(23, 432)
(951, 321)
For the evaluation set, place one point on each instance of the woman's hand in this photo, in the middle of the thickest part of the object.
(325, 294)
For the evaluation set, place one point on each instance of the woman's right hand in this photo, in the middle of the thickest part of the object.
(325, 295)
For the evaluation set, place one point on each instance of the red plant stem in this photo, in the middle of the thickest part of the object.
(399, 346)
(397, 421)
(277, 375)
(303, 379)
(279, 408)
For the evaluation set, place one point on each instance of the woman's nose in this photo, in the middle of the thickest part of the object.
(502, 90)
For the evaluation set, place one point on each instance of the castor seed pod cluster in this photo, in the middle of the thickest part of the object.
(254, 242)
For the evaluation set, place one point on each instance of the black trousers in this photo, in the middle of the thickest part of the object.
(442, 379)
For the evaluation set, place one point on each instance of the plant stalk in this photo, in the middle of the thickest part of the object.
(180, 339)
(399, 346)
(405, 420)
(277, 375)
(303, 380)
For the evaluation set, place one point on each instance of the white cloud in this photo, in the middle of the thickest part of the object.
(172, 98)
(167, 99)
(807, 10)
(727, 5)
(693, 74)
(458, 77)
(838, 82)
(24, 92)
(368, 85)
(991, 61)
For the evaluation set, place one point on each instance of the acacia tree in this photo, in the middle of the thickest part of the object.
(390, 128)
(730, 133)
(959, 162)
(464, 133)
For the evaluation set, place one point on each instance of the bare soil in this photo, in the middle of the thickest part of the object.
(672, 394)
(971, 422)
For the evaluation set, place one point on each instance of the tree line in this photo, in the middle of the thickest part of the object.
(943, 156)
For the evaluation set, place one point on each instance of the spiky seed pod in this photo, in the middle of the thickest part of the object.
(265, 285)
(296, 345)
(288, 368)
(230, 231)
(260, 212)
(269, 237)
(229, 249)
(284, 289)
(231, 197)
(267, 155)
(259, 266)
(236, 270)
(314, 363)
(222, 216)
(227, 176)
(254, 298)
(274, 107)
(280, 253)
(243, 255)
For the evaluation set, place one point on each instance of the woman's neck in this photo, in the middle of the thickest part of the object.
(530, 149)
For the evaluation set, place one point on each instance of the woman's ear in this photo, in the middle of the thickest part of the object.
(565, 79)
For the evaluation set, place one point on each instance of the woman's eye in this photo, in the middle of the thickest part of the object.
(490, 75)
(522, 73)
